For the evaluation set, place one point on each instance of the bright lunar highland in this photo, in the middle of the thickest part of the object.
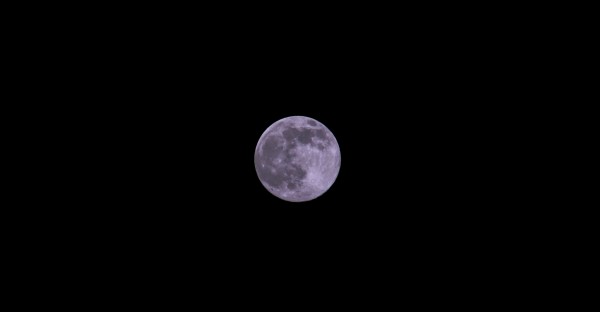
(297, 159)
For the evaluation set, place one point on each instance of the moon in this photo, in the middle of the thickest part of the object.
(297, 159)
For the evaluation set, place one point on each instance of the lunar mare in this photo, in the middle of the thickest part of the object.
(297, 159)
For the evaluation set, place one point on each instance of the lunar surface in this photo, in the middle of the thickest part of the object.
(297, 159)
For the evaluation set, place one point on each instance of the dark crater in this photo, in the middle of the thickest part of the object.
(290, 134)
(296, 172)
(271, 148)
(320, 134)
(304, 136)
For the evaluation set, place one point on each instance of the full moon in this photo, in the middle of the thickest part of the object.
(297, 159)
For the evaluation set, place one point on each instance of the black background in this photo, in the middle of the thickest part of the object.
(178, 112)
(155, 141)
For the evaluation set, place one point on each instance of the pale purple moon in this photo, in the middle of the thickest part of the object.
(297, 159)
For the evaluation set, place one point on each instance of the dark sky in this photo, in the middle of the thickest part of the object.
(177, 120)
(153, 120)
(164, 122)
(185, 155)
